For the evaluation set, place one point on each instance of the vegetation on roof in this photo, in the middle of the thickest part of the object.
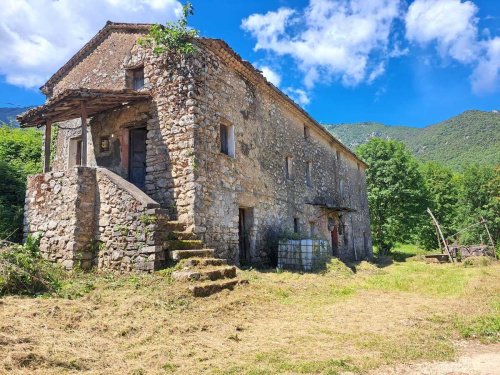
(173, 36)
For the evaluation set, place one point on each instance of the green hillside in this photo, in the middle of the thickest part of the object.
(8, 115)
(471, 137)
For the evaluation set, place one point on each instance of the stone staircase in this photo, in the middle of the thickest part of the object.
(197, 266)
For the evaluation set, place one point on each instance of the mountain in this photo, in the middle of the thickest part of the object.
(8, 115)
(471, 137)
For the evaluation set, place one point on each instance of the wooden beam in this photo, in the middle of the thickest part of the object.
(47, 140)
(83, 116)
(445, 244)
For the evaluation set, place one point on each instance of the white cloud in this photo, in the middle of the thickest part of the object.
(340, 39)
(486, 75)
(451, 24)
(298, 95)
(270, 74)
(37, 37)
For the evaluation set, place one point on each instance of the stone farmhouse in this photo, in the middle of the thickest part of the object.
(156, 154)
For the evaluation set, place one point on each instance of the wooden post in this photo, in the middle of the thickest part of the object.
(84, 133)
(47, 140)
(445, 244)
(491, 238)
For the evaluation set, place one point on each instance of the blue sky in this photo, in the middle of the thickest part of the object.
(400, 63)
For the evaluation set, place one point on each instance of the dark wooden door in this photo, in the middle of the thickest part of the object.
(137, 159)
(243, 237)
(335, 241)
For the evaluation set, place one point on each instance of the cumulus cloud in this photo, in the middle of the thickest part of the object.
(451, 24)
(270, 74)
(298, 95)
(348, 40)
(486, 75)
(37, 37)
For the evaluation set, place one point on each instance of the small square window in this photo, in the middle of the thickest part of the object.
(309, 173)
(289, 167)
(104, 144)
(227, 145)
(306, 132)
(135, 78)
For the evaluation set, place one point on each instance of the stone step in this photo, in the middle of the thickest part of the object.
(174, 225)
(202, 262)
(183, 244)
(208, 288)
(183, 235)
(193, 253)
(211, 274)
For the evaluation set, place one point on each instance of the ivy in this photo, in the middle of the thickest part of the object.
(173, 36)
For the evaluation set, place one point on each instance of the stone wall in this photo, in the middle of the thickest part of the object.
(103, 67)
(131, 226)
(90, 216)
(255, 178)
(60, 205)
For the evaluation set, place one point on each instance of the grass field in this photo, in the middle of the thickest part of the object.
(280, 323)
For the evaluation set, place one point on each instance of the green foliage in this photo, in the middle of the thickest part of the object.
(20, 155)
(479, 197)
(396, 192)
(173, 36)
(473, 136)
(485, 328)
(23, 271)
(441, 187)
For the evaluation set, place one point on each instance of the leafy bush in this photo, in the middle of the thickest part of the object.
(173, 36)
(20, 156)
(23, 271)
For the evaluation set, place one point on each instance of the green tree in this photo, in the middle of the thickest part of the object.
(20, 156)
(396, 192)
(442, 190)
(479, 197)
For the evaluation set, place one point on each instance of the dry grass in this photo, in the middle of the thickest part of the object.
(284, 323)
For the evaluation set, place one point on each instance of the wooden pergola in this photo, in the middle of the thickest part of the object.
(77, 103)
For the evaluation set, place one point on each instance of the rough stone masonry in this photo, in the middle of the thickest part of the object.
(222, 151)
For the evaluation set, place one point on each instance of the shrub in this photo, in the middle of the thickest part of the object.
(23, 271)
(477, 261)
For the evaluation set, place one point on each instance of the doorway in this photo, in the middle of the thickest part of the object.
(245, 224)
(137, 157)
(335, 241)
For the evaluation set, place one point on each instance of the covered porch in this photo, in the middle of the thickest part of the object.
(84, 104)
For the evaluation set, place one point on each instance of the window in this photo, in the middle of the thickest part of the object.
(308, 173)
(289, 167)
(227, 145)
(295, 225)
(104, 144)
(135, 78)
(75, 152)
(338, 156)
(341, 188)
(359, 166)
(306, 132)
(312, 228)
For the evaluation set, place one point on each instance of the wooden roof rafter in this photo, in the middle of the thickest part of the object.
(67, 105)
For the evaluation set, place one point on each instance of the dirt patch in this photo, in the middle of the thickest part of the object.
(474, 359)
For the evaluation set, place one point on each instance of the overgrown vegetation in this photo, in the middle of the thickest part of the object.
(23, 271)
(400, 189)
(174, 37)
(20, 156)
